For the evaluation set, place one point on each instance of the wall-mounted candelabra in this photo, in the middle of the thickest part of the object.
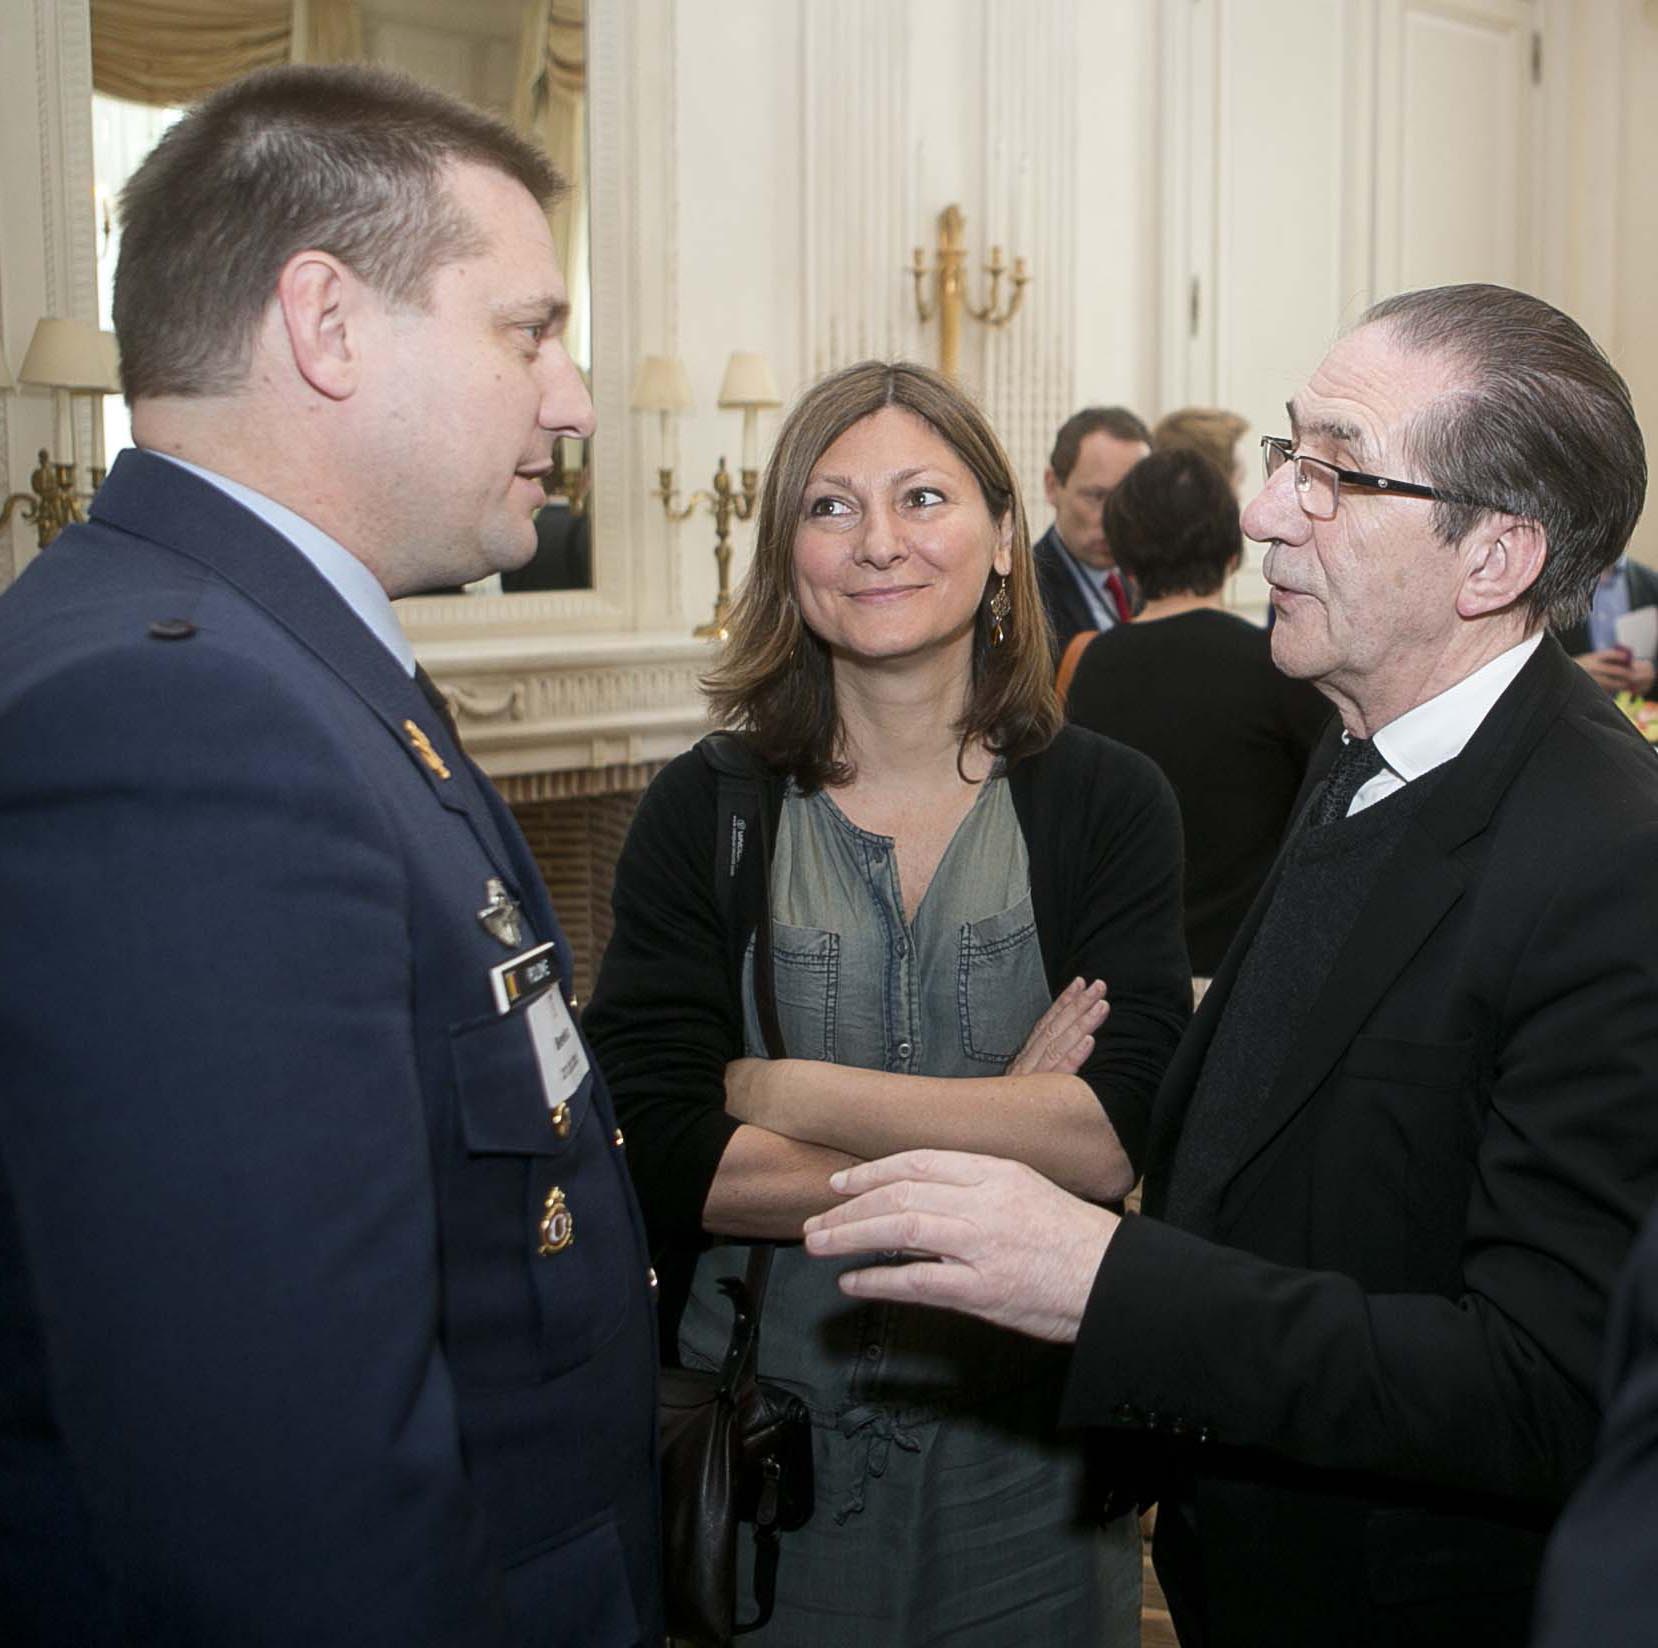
(663, 388)
(949, 300)
(70, 358)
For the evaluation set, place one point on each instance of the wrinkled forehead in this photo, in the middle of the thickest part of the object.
(1365, 394)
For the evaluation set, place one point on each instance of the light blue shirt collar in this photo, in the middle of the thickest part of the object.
(1091, 581)
(346, 575)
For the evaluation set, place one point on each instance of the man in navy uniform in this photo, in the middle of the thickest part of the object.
(325, 1315)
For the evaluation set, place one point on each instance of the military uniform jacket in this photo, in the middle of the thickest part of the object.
(282, 1359)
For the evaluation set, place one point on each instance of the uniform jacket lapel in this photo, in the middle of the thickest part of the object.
(153, 499)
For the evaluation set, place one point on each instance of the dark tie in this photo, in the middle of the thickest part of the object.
(1356, 763)
(435, 698)
(1118, 591)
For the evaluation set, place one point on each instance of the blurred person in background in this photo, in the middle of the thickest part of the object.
(1210, 430)
(1081, 586)
(1194, 687)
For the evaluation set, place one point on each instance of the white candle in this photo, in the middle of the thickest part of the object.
(98, 432)
(63, 435)
(751, 438)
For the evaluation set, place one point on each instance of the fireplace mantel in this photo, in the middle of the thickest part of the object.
(550, 716)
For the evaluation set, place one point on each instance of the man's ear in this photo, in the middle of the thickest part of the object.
(320, 303)
(1050, 485)
(1504, 560)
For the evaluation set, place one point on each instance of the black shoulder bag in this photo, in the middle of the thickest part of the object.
(734, 1449)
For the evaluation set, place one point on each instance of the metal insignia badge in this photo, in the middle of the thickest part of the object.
(558, 1226)
(422, 746)
(500, 916)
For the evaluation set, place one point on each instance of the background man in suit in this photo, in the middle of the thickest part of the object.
(1081, 587)
(1405, 1144)
(327, 1316)
(1592, 640)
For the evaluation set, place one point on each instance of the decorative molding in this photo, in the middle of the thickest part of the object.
(859, 216)
(532, 707)
(1028, 207)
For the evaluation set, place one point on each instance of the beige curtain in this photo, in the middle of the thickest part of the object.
(326, 31)
(550, 104)
(170, 52)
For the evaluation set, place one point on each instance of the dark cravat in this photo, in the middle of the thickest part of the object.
(435, 698)
(1356, 763)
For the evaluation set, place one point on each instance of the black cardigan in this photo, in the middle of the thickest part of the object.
(1102, 831)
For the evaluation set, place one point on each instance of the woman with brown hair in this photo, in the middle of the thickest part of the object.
(953, 877)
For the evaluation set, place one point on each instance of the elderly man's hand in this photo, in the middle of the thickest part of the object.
(992, 1238)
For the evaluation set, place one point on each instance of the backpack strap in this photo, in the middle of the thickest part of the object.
(743, 825)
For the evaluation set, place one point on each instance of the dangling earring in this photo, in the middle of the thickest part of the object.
(1001, 604)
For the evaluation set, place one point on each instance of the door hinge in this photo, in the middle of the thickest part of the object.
(1537, 57)
(1194, 306)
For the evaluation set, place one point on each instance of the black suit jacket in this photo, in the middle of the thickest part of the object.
(1375, 1387)
(281, 1358)
(1643, 592)
(1067, 608)
(1598, 1589)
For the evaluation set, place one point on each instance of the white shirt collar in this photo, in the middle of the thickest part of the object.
(1437, 731)
(349, 578)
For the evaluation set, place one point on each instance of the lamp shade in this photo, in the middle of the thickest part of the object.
(661, 385)
(67, 354)
(748, 382)
(112, 362)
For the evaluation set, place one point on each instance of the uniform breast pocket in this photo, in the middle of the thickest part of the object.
(538, 1249)
(1000, 987)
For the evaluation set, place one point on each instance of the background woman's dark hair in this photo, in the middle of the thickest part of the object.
(1172, 525)
(773, 680)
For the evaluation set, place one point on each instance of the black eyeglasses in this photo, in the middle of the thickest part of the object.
(1318, 484)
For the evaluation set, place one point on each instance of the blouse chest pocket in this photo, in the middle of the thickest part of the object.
(806, 982)
(1001, 990)
(538, 1250)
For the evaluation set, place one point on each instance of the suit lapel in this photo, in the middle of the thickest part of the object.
(1417, 886)
(153, 499)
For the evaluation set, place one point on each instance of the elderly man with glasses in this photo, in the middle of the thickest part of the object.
(1410, 1135)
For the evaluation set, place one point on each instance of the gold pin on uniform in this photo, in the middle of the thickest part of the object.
(558, 1226)
(561, 1120)
(423, 748)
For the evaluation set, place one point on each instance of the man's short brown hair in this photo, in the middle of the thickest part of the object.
(1116, 421)
(347, 160)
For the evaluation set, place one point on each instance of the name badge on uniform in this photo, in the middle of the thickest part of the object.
(528, 984)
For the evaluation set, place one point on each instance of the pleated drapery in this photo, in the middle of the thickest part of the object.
(171, 52)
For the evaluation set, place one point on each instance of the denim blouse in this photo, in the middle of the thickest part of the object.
(953, 992)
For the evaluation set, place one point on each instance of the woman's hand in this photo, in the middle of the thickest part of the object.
(1063, 1037)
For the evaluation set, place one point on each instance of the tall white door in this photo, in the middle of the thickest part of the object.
(1321, 154)
(1456, 136)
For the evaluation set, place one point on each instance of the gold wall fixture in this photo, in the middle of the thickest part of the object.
(70, 358)
(663, 387)
(949, 298)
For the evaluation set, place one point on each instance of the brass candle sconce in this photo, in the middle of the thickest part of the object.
(662, 387)
(70, 358)
(950, 288)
